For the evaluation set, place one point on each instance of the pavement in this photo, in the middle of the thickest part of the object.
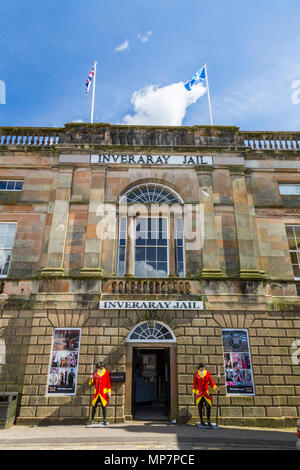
(138, 435)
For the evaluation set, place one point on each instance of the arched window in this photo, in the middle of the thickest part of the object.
(151, 194)
(159, 332)
(151, 246)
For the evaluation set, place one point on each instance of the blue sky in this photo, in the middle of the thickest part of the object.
(145, 51)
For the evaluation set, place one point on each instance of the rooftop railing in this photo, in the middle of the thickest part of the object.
(288, 141)
(106, 134)
(32, 136)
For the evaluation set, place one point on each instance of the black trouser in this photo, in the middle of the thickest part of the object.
(200, 408)
(94, 408)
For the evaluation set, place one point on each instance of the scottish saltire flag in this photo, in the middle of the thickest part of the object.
(199, 76)
(89, 80)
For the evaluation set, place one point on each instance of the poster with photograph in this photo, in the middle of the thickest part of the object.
(237, 361)
(62, 378)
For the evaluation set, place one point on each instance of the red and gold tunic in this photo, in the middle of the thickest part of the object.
(200, 387)
(101, 381)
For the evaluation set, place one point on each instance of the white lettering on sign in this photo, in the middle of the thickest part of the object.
(152, 159)
(150, 305)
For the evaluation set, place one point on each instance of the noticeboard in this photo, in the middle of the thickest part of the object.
(117, 377)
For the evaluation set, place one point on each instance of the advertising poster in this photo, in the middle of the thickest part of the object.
(62, 378)
(237, 361)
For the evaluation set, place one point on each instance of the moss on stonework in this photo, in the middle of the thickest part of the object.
(20, 130)
(292, 306)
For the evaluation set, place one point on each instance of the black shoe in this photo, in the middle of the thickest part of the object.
(203, 423)
(209, 425)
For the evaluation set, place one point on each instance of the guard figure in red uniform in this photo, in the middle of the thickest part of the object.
(102, 390)
(200, 388)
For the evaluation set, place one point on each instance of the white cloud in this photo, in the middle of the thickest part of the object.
(165, 106)
(78, 121)
(122, 47)
(144, 37)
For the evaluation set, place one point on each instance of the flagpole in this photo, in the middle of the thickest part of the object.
(93, 96)
(208, 95)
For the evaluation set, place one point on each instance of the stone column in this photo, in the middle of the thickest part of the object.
(130, 248)
(249, 268)
(172, 254)
(210, 252)
(58, 232)
(92, 255)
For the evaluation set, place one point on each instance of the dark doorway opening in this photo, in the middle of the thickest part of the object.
(151, 384)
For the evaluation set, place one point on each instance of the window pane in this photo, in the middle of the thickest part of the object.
(292, 244)
(296, 271)
(179, 253)
(4, 261)
(162, 241)
(297, 230)
(150, 269)
(162, 270)
(180, 270)
(141, 224)
(140, 269)
(140, 254)
(151, 254)
(162, 254)
(7, 234)
(11, 185)
(290, 189)
(153, 225)
(122, 242)
(19, 185)
(141, 238)
(3, 185)
(5, 267)
(294, 257)
(121, 262)
(290, 231)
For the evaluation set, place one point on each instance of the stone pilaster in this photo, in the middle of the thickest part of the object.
(130, 248)
(172, 248)
(58, 232)
(245, 230)
(92, 255)
(210, 254)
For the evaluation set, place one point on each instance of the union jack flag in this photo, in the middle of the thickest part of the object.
(89, 80)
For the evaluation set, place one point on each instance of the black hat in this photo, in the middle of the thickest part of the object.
(100, 364)
(201, 365)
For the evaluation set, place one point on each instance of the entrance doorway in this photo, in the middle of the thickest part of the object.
(151, 383)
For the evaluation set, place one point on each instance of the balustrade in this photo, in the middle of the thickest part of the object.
(288, 141)
(38, 137)
(105, 134)
(145, 287)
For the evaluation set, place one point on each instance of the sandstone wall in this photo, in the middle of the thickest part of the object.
(28, 337)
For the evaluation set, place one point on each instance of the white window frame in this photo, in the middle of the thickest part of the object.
(168, 246)
(294, 251)
(122, 246)
(4, 276)
(183, 247)
(12, 181)
(123, 197)
(286, 189)
(173, 340)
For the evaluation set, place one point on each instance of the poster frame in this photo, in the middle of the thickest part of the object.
(50, 362)
(240, 394)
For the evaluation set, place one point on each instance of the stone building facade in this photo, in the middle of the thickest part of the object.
(70, 259)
